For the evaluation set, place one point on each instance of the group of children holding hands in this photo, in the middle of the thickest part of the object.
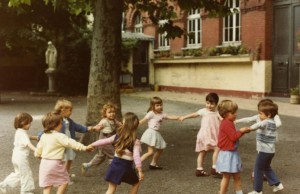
(119, 142)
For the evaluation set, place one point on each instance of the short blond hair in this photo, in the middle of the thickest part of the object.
(107, 106)
(227, 106)
(62, 104)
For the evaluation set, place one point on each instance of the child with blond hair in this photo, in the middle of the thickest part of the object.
(107, 127)
(229, 162)
(51, 149)
(69, 127)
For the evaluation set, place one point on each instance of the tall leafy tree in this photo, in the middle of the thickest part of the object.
(106, 55)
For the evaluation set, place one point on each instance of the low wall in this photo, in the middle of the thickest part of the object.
(236, 76)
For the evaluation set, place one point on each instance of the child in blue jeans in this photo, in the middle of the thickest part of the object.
(265, 144)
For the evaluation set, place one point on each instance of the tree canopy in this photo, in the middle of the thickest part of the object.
(106, 51)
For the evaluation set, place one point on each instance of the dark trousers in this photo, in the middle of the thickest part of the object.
(263, 166)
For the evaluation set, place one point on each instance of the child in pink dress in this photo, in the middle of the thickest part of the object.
(51, 149)
(207, 138)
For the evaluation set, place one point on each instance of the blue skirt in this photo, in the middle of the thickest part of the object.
(121, 170)
(229, 161)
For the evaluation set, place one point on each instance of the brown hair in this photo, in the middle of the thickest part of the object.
(154, 100)
(61, 104)
(105, 107)
(22, 119)
(212, 98)
(127, 133)
(50, 121)
(269, 109)
(227, 106)
(265, 102)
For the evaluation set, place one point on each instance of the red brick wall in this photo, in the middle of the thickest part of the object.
(211, 32)
(256, 29)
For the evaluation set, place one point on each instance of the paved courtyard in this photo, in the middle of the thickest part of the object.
(178, 159)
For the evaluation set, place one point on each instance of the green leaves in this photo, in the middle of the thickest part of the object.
(16, 3)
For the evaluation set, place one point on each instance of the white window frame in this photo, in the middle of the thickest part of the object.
(194, 25)
(138, 24)
(163, 42)
(232, 25)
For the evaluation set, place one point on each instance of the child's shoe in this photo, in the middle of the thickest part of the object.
(201, 173)
(277, 188)
(84, 168)
(215, 173)
(255, 192)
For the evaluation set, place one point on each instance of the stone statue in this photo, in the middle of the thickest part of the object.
(51, 57)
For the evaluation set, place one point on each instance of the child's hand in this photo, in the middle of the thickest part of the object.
(91, 128)
(89, 148)
(245, 130)
(141, 175)
(34, 137)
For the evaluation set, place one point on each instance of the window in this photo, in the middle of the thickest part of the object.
(138, 23)
(194, 28)
(232, 24)
(163, 42)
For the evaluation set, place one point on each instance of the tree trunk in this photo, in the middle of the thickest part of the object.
(105, 64)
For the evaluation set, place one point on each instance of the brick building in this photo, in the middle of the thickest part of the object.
(252, 53)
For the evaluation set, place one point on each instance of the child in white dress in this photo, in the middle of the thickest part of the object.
(152, 137)
(207, 138)
(22, 175)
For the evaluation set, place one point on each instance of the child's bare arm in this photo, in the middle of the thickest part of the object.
(98, 127)
(144, 120)
(192, 115)
(34, 137)
(32, 147)
(172, 117)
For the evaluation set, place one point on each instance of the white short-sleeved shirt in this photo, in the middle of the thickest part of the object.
(154, 120)
(22, 141)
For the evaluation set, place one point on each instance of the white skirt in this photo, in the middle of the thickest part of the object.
(154, 139)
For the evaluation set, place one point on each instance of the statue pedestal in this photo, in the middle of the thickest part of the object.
(51, 80)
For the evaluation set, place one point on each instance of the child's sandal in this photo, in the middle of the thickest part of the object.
(201, 173)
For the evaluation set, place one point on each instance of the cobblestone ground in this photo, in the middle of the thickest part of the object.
(178, 159)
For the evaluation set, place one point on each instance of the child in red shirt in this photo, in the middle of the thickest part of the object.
(229, 161)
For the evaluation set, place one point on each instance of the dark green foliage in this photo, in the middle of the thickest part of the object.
(72, 75)
(25, 30)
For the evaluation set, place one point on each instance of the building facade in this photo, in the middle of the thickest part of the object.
(252, 53)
